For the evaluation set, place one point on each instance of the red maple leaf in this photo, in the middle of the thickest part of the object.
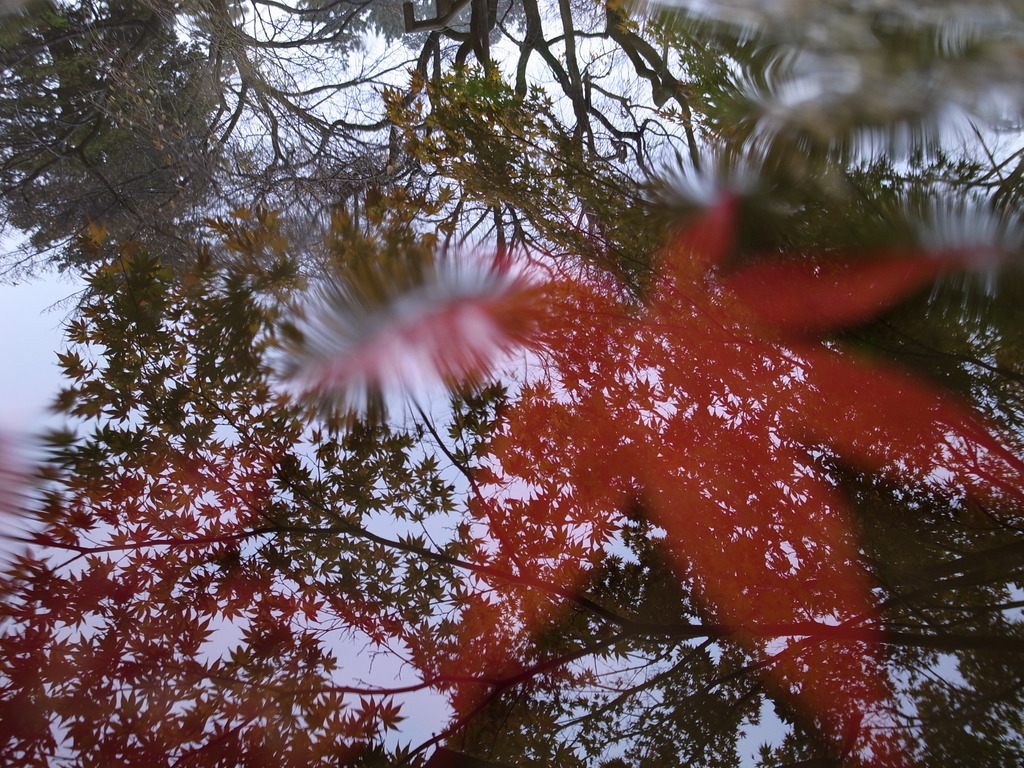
(711, 404)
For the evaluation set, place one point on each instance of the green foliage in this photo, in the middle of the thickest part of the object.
(103, 113)
(504, 149)
(213, 558)
(203, 547)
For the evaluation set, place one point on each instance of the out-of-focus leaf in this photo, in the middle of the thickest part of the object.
(707, 406)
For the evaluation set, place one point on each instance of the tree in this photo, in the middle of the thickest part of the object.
(197, 503)
(219, 515)
(206, 541)
(280, 106)
(105, 122)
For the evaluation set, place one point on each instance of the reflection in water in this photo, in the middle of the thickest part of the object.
(864, 80)
(710, 408)
(205, 541)
(666, 497)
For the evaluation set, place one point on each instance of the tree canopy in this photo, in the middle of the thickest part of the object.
(624, 377)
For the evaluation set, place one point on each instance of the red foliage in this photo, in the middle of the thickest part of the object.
(711, 406)
(177, 628)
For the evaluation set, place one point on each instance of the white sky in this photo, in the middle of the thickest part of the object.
(31, 316)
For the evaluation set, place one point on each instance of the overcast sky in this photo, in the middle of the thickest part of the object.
(31, 315)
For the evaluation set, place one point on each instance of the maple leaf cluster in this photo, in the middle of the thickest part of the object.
(203, 545)
(713, 405)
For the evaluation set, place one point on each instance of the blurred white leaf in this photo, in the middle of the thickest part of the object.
(365, 340)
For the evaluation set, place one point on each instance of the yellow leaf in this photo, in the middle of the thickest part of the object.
(97, 232)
